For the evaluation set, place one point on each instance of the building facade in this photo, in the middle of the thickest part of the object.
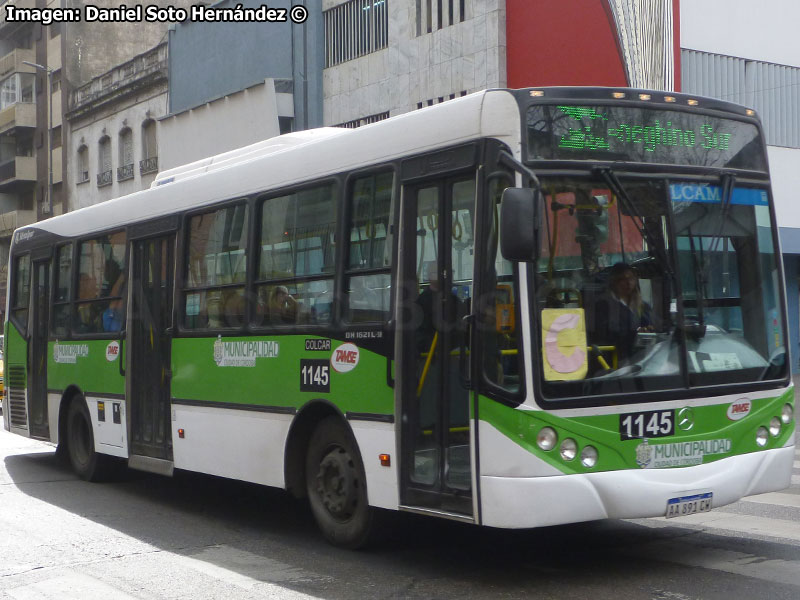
(113, 139)
(733, 52)
(234, 84)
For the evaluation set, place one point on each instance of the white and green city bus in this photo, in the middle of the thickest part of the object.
(425, 314)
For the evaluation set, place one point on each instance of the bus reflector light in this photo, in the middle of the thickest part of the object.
(786, 414)
(618, 95)
(644, 96)
(569, 449)
(537, 93)
(589, 456)
(762, 435)
(774, 426)
(386, 460)
(547, 438)
(181, 433)
(750, 112)
(692, 102)
(669, 99)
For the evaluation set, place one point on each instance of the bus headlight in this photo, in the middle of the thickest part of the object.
(547, 438)
(589, 457)
(762, 435)
(786, 414)
(569, 449)
(774, 426)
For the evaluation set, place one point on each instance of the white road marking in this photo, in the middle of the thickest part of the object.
(728, 561)
(775, 498)
(74, 586)
(249, 571)
(789, 530)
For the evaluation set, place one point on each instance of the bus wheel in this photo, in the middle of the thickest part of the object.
(86, 463)
(336, 485)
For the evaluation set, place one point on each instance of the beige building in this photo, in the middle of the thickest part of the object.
(112, 147)
(405, 54)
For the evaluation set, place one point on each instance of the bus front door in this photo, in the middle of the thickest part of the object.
(438, 257)
(37, 373)
(149, 338)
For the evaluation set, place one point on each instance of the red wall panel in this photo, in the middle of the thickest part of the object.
(562, 42)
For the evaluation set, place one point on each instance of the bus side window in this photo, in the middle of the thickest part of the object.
(294, 280)
(62, 295)
(101, 282)
(214, 292)
(22, 291)
(368, 276)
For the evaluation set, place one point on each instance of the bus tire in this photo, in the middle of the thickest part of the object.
(336, 485)
(86, 463)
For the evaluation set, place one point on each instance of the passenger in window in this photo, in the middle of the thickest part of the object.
(621, 313)
(113, 315)
(283, 307)
(234, 303)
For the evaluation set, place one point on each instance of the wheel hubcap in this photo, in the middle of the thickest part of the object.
(337, 484)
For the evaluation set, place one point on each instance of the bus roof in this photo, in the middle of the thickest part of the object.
(299, 157)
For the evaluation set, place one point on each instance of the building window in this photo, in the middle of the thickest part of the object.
(56, 136)
(104, 162)
(364, 120)
(19, 87)
(82, 176)
(149, 162)
(125, 168)
(440, 99)
(354, 29)
(437, 14)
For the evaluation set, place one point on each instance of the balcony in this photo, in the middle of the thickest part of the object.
(21, 114)
(148, 165)
(18, 4)
(18, 171)
(105, 178)
(9, 221)
(125, 172)
(12, 62)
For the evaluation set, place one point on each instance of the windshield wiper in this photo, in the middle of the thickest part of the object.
(616, 186)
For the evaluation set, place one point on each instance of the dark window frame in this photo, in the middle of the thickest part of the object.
(347, 215)
(181, 289)
(75, 301)
(14, 308)
(334, 277)
(54, 304)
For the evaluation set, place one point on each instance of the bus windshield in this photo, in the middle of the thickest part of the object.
(644, 285)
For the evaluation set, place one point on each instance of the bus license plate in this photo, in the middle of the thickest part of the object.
(689, 505)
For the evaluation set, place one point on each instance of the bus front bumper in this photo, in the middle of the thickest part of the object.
(521, 502)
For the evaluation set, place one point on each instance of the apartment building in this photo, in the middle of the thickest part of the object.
(112, 147)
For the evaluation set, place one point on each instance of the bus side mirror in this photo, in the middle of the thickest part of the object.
(518, 224)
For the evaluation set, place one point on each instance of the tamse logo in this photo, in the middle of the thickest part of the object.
(345, 358)
(739, 409)
(112, 351)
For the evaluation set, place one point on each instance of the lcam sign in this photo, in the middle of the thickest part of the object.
(345, 358)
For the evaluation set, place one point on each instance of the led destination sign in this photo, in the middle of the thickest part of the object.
(632, 134)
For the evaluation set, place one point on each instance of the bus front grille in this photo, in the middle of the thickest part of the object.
(16, 392)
